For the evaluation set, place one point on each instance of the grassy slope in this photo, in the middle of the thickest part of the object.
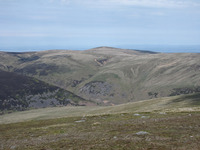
(168, 104)
(171, 130)
(132, 74)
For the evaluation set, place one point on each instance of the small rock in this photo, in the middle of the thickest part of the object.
(145, 117)
(162, 113)
(13, 147)
(96, 123)
(114, 137)
(136, 114)
(80, 121)
(83, 117)
(142, 133)
(148, 139)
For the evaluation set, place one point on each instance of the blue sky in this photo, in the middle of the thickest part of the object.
(78, 24)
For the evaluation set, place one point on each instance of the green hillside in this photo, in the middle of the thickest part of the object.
(108, 75)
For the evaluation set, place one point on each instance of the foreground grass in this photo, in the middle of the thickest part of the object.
(166, 123)
(173, 130)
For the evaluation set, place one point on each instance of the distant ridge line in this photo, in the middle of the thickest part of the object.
(142, 51)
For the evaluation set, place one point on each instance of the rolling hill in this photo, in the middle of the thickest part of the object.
(110, 76)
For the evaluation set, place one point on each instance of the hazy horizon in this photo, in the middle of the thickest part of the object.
(153, 48)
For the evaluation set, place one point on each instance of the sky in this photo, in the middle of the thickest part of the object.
(83, 24)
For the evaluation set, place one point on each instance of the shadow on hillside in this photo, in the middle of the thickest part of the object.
(193, 99)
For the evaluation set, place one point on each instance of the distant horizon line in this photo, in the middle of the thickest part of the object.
(159, 48)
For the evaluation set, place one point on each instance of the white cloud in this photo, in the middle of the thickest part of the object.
(143, 3)
(65, 1)
(22, 34)
(60, 1)
(137, 3)
(158, 13)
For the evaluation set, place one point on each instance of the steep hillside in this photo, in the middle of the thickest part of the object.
(108, 75)
(18, 92)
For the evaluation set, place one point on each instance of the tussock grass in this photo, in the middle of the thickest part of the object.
(113, 131)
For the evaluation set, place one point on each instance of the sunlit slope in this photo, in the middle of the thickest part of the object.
(109, 75)
(176, 104)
